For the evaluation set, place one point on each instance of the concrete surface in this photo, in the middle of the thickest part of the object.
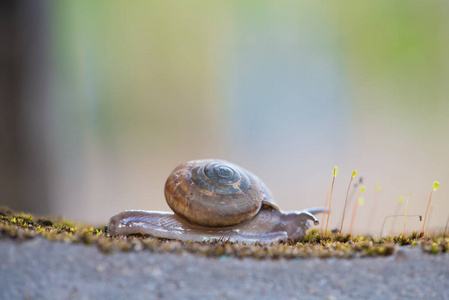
(41, 269)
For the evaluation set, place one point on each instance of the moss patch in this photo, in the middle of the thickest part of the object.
(22, 226)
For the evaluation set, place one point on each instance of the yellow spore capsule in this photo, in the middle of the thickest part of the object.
(335, 171)
(378, 188)
(436, 185)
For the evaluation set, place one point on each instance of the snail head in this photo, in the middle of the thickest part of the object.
(297, 222)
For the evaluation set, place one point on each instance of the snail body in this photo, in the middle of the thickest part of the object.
(215, 200)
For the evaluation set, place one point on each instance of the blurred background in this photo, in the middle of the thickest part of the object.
(101, 100)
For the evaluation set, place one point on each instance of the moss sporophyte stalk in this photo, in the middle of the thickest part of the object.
(346, 200)
(334, 174)
(435, 186)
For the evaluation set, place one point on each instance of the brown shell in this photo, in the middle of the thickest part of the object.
(215, 193)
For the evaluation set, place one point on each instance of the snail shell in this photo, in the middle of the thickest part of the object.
(216, 200)
(215, 193)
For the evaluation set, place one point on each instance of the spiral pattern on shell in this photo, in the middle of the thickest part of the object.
(214, 193)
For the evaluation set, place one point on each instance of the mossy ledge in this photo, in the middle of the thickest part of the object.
(23, 226)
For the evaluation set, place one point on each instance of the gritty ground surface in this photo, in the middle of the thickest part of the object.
(42, 269)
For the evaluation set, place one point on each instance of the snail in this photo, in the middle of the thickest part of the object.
(215, 200)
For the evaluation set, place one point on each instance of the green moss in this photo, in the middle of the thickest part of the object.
(22, 226)
(435, 245)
